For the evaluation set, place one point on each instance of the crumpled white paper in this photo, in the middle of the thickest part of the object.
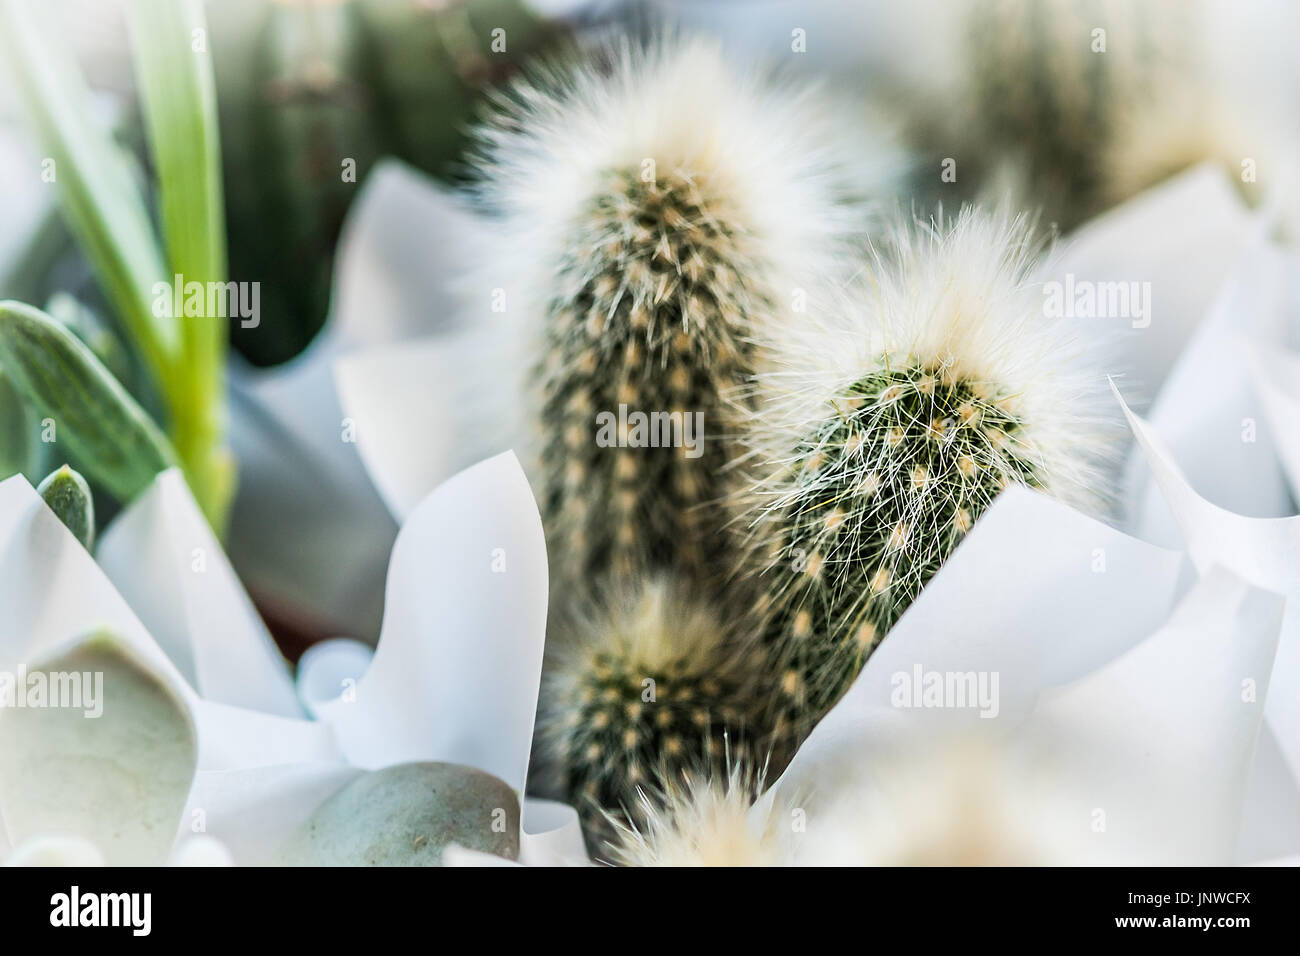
(307, 524)
(1265, 552)
(449, 681)
(164, 560)
(1184, 237)
(1139, 710)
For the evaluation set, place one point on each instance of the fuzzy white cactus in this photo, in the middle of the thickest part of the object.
(657, 206)
(952, 802)
(903, 410)
(705, 822)
(646, 691)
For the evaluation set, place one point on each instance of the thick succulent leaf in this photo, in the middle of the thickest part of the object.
(107, 433)
(18, 447)
(68, 496)
(407, 815)
(55, 850)
(113, 767)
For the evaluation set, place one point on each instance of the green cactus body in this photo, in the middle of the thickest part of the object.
(658, 208)
(646, 698)
(651, 320)
(878, 498)
(905, 404)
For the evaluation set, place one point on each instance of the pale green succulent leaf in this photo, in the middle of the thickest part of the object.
(113, 766)
(407, 815)
(66, 494)
(80, 403)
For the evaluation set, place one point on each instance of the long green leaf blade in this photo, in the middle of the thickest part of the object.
(96, 191)
(178, 92)
(68, 496)
(173, 65)
(111, 437)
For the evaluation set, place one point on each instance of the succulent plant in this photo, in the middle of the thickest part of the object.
(657, 208)
(652, 321)
(705, 822)
(68, 496)
(645, 695)
(183, 355)
(901, 416)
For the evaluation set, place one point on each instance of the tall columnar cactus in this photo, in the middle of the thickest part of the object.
(1049, 87)
(903, 413)
(657, 297)
(646, 693)
(657, 207)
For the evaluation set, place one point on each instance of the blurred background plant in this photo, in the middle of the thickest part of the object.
(166, 158)
(181, 357)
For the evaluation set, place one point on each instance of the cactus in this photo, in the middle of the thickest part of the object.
(705, 822)
(657, 208)
(645, 694)
(897, 424)
(1045, 103)
(653, 318)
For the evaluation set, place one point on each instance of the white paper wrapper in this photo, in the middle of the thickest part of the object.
(428, 408)
(1162, 739)
(1265, 552)
(453, 679)
(308, 526)
(1184, 237)
(456, 673)
(163, 559)
(1147, 726)
(1038, 594)
(1210, 412)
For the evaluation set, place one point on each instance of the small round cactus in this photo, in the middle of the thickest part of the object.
(645, 694)
(900, 419)
(705, 822)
